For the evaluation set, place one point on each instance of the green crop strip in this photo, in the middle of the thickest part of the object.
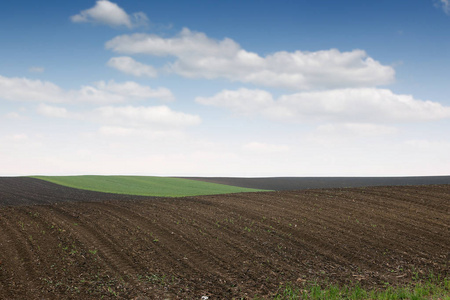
(429, 289)
(145, 185)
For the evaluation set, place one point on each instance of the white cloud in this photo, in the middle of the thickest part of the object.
(444, 4)
(23, 89)
(36, 69)
(28, 90)
(133, 132)
(109, 13)
(135, 90)
(244, 101)
(129, 121)
(145, 116)
(263, 148)
(198, 56)
(363, 105)
(122, 120)
(359, 105)
(126, 121)
(429, 145)
(117, 131)
(128, 65)
(52, 111)
(354, 130)
(13, 116)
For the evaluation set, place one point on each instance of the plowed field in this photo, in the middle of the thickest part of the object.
(63, 243)
(301, 183)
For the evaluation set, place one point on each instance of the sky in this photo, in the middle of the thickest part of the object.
(225, 88)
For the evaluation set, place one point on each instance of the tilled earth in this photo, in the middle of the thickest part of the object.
(87, 245)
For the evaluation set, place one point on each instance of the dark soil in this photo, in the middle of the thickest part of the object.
(224, 246)
(32, 191)
(301, 183)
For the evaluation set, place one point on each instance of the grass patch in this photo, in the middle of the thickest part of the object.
(430, 289)
(144, 185)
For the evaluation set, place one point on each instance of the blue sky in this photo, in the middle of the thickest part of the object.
(225, 88)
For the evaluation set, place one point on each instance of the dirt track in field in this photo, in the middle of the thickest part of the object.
(224, 246)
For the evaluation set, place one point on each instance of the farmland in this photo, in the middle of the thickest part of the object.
(145, 185)
(57, 242)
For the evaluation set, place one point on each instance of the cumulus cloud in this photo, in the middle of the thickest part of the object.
(199, 56)
(145, 116)
(109, 13)
(359, 105)
(23, 90)
(128, 65)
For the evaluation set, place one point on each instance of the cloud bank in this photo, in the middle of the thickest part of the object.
(152, 116)
(53, 111)
(359, 105)
(199, 56)
(143, 121)
(29, 90)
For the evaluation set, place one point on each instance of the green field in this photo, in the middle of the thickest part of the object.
(144, 185)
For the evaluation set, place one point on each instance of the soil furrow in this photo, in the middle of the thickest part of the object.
(95, 239)
(193, 256)
(22, 258)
